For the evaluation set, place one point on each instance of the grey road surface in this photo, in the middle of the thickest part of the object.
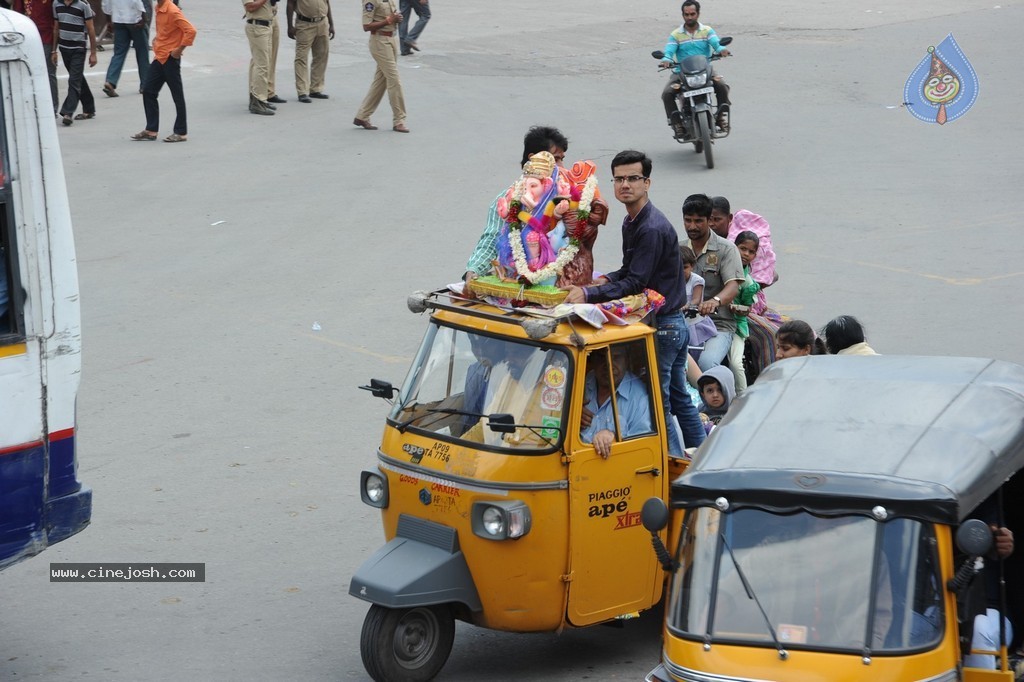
(217, 426)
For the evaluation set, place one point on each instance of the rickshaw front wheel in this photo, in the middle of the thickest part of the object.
(406, 644)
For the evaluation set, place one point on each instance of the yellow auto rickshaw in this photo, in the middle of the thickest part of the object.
(830, 529)
(497, 508)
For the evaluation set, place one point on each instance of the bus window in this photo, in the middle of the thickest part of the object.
(5, 286)
(9, 300)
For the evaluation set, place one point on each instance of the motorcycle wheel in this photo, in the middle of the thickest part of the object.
(411, 645)
(704, 133)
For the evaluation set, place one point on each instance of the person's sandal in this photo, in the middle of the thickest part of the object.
(85, 117)
(110, 90)
(144, 136)
(175, 137)
(66, 120)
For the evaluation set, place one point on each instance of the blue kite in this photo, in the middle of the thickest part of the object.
(943, 86)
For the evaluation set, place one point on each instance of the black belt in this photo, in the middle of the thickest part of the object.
(258, 22)
(308, 20)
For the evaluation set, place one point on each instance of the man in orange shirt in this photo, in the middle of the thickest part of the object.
(173, 34)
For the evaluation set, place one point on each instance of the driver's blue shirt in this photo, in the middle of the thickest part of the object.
(681, 44)
(634, 408)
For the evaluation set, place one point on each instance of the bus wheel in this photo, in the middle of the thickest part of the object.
(406, 644)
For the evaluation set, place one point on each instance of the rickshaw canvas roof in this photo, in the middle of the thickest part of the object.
(925, 437)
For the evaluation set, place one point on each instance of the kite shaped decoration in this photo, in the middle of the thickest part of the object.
(943, 86)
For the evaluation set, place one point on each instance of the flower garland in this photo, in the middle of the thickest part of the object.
(516, 205)
(586, 199)
(554, 269)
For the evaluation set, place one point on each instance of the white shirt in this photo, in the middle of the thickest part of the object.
(124, 11)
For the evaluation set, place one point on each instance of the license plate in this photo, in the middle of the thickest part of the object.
(702, 91)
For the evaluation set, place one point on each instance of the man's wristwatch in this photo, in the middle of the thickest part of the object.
(718, 300)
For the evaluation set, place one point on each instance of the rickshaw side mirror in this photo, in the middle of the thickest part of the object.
(658, 54)
(974, 538)
(725, 41)
(502, 422)
(380, 389)
(654, 514)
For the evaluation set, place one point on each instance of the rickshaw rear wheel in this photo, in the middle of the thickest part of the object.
(406, 644)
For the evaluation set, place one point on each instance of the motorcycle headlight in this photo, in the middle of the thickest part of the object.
(500, 520)
(697, 80)
(373, 489)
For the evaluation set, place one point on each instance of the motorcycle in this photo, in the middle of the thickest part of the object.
(697, 110)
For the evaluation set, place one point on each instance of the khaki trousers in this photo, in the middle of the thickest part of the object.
(316, 37)
(384, 51)
(259, 66)
(275, 41)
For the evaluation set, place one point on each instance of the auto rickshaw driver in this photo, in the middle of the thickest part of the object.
(631, 404)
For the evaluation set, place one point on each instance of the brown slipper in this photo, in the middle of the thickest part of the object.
(144, 136)
(110, 90)
(400, 128)
(175, 137)
(85, 117)
(363, 124)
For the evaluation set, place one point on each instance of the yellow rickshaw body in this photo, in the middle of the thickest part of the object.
(838, 443)
(586, 558)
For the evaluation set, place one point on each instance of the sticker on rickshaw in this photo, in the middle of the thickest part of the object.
(551, 399)
(554, 377)
(551, 424)
(794, 634)
(627, 520)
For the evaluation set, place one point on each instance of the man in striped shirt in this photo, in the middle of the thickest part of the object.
(72, 23)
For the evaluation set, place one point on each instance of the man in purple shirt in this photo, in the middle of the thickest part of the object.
(650, 260)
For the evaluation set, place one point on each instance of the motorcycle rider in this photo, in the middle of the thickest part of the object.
(693, 38)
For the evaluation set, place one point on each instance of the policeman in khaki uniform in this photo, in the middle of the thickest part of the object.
(381, 19)
(313, 27)
(259, 29)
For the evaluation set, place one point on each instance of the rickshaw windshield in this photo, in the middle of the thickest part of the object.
(838, 583)
(460, 379)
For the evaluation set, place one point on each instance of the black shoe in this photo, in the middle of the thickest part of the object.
(305, 99)
(276, 100)
(407, 54)
(260, 108)
(318, 95)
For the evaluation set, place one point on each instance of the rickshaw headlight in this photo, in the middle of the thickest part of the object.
(500, 520)
(373, 489)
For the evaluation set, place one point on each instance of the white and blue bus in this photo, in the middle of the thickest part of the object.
(41, 499)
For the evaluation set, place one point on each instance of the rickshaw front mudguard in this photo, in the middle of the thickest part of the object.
(421, 566)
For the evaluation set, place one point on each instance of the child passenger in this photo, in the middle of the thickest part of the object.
(717, 390)
(694, 282)
(746, 244)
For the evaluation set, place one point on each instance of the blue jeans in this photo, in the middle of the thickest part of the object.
(715, 350)
(170, 73)
(126, 35)
(422, 10)
(673, 338)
